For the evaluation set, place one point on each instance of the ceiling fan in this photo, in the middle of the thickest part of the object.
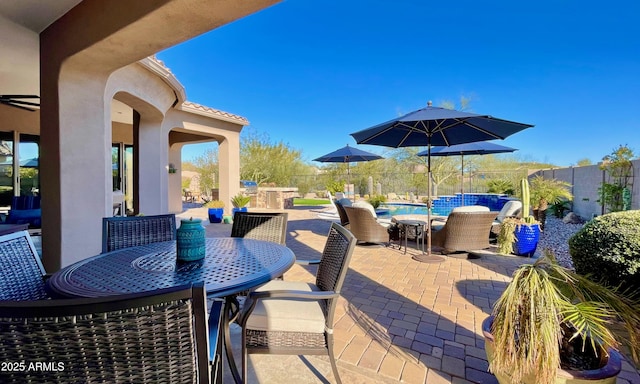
(14, 101)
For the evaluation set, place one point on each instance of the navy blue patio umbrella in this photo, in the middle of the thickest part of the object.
(433, 126)
(477, 148)
(348, 155)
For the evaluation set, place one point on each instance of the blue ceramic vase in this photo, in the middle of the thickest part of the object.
(190, 240)
(527, 237)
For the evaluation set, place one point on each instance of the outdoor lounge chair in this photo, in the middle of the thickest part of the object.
(269, 226)
(464, 231)
(296, 318)
(365, 227)
(511, 208)
(131, 231)
(22, 276)
(153, 337)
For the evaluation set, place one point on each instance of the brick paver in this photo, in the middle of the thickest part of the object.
(402, 320)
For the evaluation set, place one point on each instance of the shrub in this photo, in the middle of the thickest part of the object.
(608, 249)
(376, 200)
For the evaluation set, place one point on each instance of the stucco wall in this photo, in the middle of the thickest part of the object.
(585, 182)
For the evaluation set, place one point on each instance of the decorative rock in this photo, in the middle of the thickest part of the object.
(555, 238)
(572, 218)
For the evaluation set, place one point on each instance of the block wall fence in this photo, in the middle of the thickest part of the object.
(585, 182)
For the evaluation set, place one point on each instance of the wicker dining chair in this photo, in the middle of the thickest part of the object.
(22, 276)
(296, 318)
(131, 231)
(269, 226)
(151, 337)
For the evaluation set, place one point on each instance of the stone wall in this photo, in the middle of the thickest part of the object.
(274, 198)
(585, 182)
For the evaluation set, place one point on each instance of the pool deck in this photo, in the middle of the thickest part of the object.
(398, 320)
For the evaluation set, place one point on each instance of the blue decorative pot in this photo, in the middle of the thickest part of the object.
(215, 215)
(527, 236)
(234, 210)
(190, 240)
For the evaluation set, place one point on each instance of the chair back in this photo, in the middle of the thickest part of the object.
(21, 271)
(344, 219)
(365, 227)
(334, 265)
(269, 226)
(131, 231)
(465, 231)
(157, 336)
(510, 209)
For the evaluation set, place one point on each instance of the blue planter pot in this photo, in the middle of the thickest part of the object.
(234, 210)
(527, 237)
(215, 215)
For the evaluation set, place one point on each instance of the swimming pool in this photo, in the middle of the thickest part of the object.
(443, 205)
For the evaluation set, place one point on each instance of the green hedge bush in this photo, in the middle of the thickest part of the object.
(608, 249)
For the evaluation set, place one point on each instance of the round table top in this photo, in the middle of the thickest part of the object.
(231, 265)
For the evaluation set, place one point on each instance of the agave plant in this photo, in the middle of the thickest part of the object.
(548, 313)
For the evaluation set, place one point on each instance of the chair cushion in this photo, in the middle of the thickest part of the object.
(25, 216)
(364, 204)
(345, 202)
(287, 315)
(471, 208)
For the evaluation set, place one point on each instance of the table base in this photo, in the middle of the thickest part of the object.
(428, 258)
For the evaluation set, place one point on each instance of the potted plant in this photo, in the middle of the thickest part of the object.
(551, 325)
(216, 210)
(545, 192)
(240, 202)
(520, 235)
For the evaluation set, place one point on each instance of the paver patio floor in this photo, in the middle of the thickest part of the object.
(398, 320)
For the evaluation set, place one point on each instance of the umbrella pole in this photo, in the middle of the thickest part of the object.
(428, 258)
(462, 181)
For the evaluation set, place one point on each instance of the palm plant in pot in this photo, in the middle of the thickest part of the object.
(520, 235)
(546, 192)
(239, 203)
(551, 325)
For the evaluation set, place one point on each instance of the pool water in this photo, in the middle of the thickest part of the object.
(411, 209)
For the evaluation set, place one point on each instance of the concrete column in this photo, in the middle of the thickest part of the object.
(229, 167)
(75, 166)
(153, 164)
(175, 179)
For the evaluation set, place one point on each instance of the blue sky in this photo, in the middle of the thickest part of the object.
(309, 73)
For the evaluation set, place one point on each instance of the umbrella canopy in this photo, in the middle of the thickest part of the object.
(436, 126)
(477, 148)
(348, 155)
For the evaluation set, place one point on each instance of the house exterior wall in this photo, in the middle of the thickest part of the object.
(78, 54)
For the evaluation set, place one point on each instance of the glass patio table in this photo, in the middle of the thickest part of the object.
(231, 266)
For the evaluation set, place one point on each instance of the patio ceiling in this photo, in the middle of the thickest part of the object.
(35, 15)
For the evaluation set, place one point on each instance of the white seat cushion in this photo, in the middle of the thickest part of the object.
(287, 315)
(365, 204)
(471, 208)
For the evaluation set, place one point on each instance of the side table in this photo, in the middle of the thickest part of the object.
(418, 226)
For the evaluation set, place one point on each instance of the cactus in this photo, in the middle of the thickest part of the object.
(526, 197)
